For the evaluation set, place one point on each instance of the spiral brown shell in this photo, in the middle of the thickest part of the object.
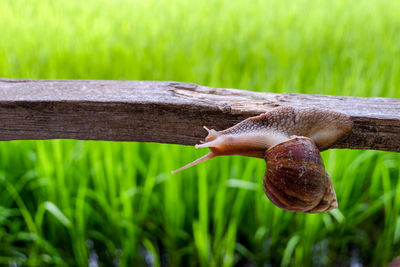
(296, 180)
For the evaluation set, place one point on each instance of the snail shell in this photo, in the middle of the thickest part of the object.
(296, 179)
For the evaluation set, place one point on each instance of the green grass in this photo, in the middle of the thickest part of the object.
(64, 202)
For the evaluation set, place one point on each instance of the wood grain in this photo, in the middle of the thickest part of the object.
(170, 112)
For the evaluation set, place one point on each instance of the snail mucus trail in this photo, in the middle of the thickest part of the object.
(289, 140)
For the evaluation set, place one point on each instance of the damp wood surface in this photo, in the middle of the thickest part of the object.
(170, 112)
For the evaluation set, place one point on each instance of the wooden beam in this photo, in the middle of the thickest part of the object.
(170, 112)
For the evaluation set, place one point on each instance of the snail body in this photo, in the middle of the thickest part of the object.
(290, 141)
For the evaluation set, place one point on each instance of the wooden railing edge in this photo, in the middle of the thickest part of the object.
(170, 112)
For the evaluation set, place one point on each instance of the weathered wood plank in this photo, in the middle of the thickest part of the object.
(169, 112)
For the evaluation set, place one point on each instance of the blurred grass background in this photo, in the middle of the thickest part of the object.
(69, 202)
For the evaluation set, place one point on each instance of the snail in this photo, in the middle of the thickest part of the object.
(289, 140)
